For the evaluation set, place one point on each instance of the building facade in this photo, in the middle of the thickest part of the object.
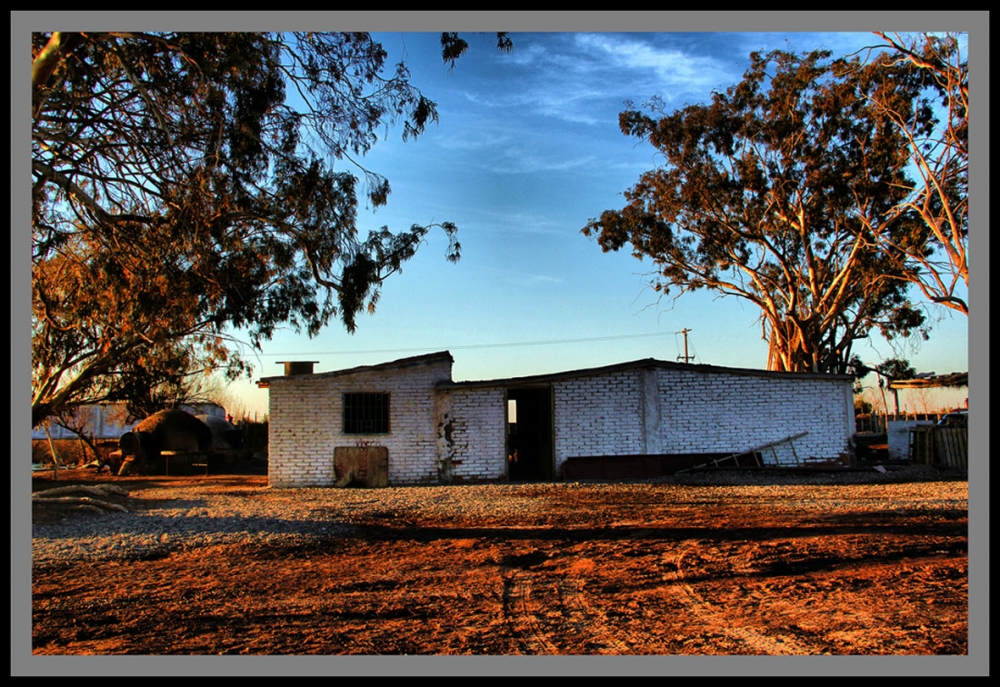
(438, 431)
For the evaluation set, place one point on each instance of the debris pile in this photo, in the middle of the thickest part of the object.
(80, 497)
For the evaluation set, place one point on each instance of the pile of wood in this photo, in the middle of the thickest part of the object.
(79, 497)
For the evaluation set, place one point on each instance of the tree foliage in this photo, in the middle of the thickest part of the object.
(896, 368)
(933, 120)
(775, 192)
(188, 184)
(454, 46)
(889, 371)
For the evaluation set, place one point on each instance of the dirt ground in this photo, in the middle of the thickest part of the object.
(649, 569)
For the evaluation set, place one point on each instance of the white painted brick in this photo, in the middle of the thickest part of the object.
(460, 433)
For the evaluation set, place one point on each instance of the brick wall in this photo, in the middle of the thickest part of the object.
(597, 416)
(459, 434)
(665, 410)
(478, 434)
(706, 412)
(306, 415)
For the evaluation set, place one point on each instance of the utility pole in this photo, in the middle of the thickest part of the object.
(685, 357)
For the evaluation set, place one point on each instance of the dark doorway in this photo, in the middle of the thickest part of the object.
(529, 434)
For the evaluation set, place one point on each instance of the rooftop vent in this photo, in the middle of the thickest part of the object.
(298, 367)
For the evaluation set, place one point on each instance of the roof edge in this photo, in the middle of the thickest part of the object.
(265, 382)
(639, 364)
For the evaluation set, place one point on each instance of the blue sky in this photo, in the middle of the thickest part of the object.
(526, 151)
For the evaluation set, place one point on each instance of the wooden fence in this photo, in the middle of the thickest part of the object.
(932, 445)
(878, 423)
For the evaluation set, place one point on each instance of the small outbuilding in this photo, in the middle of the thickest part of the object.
(429, 429)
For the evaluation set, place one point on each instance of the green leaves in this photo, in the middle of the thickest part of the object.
(775, 192)
(183, 182)
(454, 46)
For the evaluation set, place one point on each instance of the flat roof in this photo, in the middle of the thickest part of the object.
(553, 376)
(640, 364)
(264, 382)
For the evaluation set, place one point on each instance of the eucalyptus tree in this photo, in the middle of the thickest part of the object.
(186, 185)
(932, 71)
(776, 192)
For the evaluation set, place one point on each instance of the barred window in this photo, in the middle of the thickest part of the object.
(366, 413)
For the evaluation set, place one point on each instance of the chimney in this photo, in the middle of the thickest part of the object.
(298, 367)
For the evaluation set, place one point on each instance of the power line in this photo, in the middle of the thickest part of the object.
(473, 346)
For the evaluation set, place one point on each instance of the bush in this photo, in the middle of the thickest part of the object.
(70, 451)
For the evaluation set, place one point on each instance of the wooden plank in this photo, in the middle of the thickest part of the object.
(378, 466)
(952, 446)
(367, 465)
(922, 445)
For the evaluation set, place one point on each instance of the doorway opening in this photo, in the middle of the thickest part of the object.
(529, 434)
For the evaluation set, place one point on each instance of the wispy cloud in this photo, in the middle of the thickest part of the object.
(522, 162)
(518, 278)
(507, 221)
(568, 100)
(586, 78)
(473, 140)
(673, 72)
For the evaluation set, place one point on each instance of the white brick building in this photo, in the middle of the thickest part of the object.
(440, 431)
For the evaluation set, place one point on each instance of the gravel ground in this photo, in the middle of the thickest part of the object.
(740, 562)
(165, 520)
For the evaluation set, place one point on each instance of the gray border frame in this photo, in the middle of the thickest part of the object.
(975, 663)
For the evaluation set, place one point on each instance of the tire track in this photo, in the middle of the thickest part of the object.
(554, 616)
(522, 618)
(590, 623)
(723, 618)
